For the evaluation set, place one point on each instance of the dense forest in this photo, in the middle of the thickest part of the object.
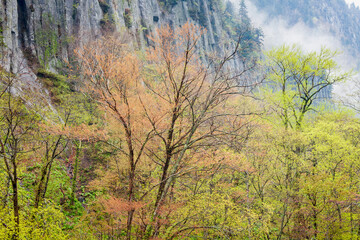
(173, 141)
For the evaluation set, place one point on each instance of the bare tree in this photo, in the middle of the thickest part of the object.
(188, 104)
(16, 126)
(166, 106)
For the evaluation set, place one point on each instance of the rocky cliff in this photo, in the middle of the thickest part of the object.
(46, 29)
(335, 17)
(42, 34)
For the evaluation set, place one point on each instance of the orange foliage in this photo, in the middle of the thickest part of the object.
(115, 205)
(80, 132)
(166, 112)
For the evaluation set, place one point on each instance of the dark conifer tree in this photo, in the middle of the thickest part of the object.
(244, 16)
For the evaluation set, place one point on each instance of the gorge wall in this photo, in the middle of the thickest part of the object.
(47, 29)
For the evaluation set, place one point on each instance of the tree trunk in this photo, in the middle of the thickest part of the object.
(168, 156)
(282, 221)
(39, 188)
(131, 181)
(76, 167)
(15, 202)
(130, 197)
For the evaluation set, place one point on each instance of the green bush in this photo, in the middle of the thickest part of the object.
(128, 18)
(46, 39)
(57, 84)
(2, 43)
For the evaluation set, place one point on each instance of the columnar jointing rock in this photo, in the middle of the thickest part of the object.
(24, 20)
(9, 24)
(46, 31)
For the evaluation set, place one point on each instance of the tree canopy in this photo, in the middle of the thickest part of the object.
(159, 144)
(297, 80)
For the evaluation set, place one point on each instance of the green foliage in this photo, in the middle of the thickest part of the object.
(268, 182)
(215, 5)
(104, 6)
(75, 7)
(307, 177)
(244, 17)
(57, 84)
(168, 4)
(171, 2)
(107, 23)
(46, 39)
(128, 18)
(2, 43)
(297, 79)
(45, 222)
(193, 13)
(239, 24)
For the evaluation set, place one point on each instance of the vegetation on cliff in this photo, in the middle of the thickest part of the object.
(171, 142)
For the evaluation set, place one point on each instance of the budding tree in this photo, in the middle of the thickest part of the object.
(167, 106)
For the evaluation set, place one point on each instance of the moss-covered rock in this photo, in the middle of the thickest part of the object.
(57, 84)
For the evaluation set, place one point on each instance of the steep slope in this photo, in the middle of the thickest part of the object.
(335, 17)
(48, 30)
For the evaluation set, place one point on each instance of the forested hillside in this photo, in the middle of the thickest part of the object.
(164, 119)
(335, 17)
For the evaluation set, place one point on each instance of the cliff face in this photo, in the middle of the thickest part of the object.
(335, 17)
(40, 31)
(48, 29)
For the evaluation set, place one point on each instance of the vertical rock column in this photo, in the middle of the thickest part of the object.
(9, 24)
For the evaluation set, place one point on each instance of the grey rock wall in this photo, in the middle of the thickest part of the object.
(43, 33)
(76, 21)
(335, 17)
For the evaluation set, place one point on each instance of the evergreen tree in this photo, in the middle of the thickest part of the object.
(244, 17)
(229, 8)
